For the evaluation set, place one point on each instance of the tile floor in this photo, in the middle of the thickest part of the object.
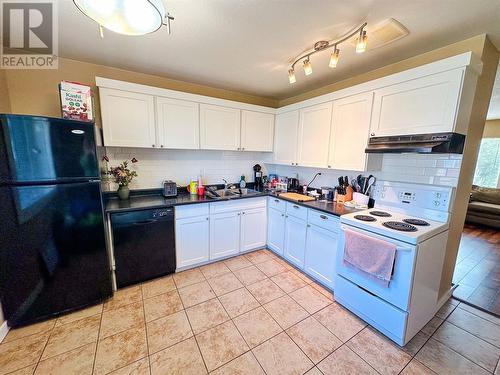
(252, 314)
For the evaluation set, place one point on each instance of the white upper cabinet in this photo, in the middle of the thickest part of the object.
(257, 131)
(423, 105)
(178, 123)
(285, 138)
(314, 134)
(349, 132)
(128, 118)
(219, 127)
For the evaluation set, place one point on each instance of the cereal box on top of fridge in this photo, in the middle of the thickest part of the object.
(76, 101)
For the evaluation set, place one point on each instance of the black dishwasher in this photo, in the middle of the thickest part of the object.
(143, 244)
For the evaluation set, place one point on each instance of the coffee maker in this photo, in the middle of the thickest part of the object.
(257, 177)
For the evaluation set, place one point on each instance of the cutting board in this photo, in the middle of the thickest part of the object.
(296, 197)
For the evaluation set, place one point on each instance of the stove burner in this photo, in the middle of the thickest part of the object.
(380, 213)
(397, 225)
(365, 218)
(416, 222)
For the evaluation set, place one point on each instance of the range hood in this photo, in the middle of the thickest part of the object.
(435, 143)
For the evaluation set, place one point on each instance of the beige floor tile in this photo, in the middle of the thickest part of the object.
(158, 286)
(414, 345)
(314, 339)
(328, 294)
(250, 275)
(237, 263)
(265, 291)
(224, 283)
(196, 293)
(183, 358)
(188, 277)
(345, 361)
(120, 350)
(256, 326)
(167, 331)
(80, 314)
(339, 321)
(162, 305)
(32, 329)
(303, 276)
(280, 355)
(286, 311)
(443, 360)
(206, 315)
(18, 354)
(124, 297)
(379, 352)
(238, 302)
(220, 345)
(72, 335)
(476, 325)
(446, 310)
(313, 371)
(214, 269)
(271, 267)
(416, 368)
(288, 281)
(468, 345)
(310, 299)
(245, 364)
(497, 370)
(259, 256)
(140, 367)
(121, 319)
(281, 261)
(79, 361)
(431, 327)
(480, 313)
(24, 371)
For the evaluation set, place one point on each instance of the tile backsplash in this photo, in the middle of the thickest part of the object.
(155, 166)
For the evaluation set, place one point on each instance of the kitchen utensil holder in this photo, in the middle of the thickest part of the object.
(360, 198)
(341, 198)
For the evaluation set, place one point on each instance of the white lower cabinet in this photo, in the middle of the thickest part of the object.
(321, 249)
(191, 240)
(224, 234)
(295, 240)
(253, 229)
(276, 231)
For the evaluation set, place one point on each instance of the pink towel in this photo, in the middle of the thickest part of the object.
(372, 256)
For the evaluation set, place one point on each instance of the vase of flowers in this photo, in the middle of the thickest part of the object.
(122, 175)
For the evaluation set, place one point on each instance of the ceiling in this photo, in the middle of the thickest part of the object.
(246, 45)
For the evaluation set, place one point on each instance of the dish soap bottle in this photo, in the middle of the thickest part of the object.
(242, 182)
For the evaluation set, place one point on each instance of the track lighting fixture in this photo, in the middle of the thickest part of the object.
(361, 43)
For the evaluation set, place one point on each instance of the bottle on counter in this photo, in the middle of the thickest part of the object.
(243, 183)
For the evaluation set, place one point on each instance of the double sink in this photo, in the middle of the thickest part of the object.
(231, 193)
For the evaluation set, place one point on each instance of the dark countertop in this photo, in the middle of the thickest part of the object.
(139, 202)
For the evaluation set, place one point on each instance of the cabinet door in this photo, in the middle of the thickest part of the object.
(224, 234)
(191, 240)
(178, 123)
(424, 105)
(285, 138)
(295, 241)
(350, 132)
(321, 249)
(314, 134)
(127, 118)
(257, 131)
(219, 127)
(253, 229)
(276, 231)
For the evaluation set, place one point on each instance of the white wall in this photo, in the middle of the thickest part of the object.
(154, 166)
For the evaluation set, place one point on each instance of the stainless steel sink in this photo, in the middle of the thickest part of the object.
(231, 193)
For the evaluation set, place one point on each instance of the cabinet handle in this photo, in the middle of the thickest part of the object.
(296, 163)
(372, 134)
(297, 207)
(293, 163)
(243, 149)
(277, 200)
(207, 218)
(323, 217)
(153, 145)
(286, 215)
(282, 215)
(243, 213)
(329, 166)
(161, 146)
(308, 225)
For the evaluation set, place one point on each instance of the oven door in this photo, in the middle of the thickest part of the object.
(398, 291)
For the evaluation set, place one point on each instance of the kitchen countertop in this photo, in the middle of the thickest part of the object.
(140, 202)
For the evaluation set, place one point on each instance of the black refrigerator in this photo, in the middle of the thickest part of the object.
(53, 256)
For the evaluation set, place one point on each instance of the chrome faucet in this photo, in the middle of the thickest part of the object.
(228, 185)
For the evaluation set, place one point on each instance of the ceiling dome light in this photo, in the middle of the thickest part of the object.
(307, 67)
(334, 58)
(128, 17)
(361, 42)
(291, 76)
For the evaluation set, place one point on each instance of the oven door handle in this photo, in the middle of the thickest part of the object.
(343, 227)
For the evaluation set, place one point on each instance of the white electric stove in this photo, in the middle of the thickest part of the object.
(414, 218)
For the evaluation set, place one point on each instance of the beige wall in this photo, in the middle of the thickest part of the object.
(492, 129)
(36, 91)
(4, 93)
